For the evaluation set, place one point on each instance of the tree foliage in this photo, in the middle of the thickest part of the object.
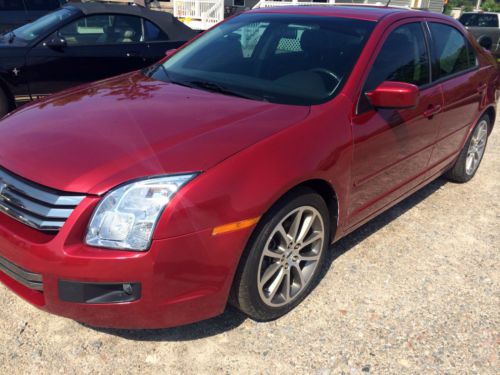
(468, 5)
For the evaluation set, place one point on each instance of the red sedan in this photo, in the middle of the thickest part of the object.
(225, 171)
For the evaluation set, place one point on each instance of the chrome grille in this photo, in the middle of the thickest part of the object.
(28, 279)
(39, 207)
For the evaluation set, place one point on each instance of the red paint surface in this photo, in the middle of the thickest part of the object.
(250, 153)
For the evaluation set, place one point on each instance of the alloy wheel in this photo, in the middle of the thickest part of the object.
(291, 256)
(476, 147)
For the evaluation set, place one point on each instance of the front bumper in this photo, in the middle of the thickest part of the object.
(182, 279)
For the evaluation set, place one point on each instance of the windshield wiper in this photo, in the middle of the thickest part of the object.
(215, 87)
(209, 86)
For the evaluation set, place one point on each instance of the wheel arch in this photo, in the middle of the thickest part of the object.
(491, 113)
(323, 188)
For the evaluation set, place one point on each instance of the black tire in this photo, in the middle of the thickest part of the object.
(4, 104)
(459, 172)
(245, 293)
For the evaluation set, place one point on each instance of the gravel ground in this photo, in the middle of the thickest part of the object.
(414, 291)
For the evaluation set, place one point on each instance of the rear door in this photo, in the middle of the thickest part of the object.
(97, 47)
(392, 147)
(456, 68)
(12, 14)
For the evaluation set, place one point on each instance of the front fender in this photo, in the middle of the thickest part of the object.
(247, 184)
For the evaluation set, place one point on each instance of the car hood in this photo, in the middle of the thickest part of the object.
(95, 137)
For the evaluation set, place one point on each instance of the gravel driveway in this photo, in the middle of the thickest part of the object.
(414, 291)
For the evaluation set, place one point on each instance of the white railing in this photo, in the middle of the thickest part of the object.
(277, 3)
(199, 14)
(433, 5)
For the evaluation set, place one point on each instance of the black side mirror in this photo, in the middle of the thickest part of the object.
(485, 42)
(57, 43)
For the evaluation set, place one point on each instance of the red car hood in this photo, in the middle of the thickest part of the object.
(93, 138)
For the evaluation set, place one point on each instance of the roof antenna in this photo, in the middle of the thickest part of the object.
(388, 3)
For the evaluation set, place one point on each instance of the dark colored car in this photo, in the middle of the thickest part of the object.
(227, 170)
(80, 43)
(486, 29)
(15, 13)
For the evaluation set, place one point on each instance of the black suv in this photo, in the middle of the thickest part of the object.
(14, 13)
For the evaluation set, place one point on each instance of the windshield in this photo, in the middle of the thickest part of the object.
(279, 58)
(43, 25)
(479, 20)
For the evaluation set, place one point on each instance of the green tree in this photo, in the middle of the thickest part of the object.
(491, 5)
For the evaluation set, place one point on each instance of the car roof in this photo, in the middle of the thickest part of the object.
(362, 12)
(175, 29)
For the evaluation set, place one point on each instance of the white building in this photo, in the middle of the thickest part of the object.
(202, 14)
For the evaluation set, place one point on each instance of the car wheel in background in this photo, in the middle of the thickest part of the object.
(471, 155)
(283, 259)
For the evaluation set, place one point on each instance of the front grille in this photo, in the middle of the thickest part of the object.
(28, 279)
(37, 206)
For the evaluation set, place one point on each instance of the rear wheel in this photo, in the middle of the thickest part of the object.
(471, 155)
(283, 260)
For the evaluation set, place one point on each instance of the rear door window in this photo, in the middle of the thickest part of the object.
(452, 52)
(153, 33)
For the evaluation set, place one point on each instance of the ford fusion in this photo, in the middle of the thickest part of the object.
(225, 172)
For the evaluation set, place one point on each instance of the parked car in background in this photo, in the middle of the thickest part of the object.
(486, 29)
(15, 13)
(226, 171)
(81, 43)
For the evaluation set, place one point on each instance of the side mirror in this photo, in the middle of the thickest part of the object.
(57, 43)
(396, 95)
(170, 52)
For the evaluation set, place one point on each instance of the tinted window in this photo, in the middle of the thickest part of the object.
(103, 29)
(153, 32)
(450, 50)
(280, 58)
(479, 20)
(41, 4)
(403, 58)
(11, 5)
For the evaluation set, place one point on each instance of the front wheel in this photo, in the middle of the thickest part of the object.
(282, 262)
(471, 155)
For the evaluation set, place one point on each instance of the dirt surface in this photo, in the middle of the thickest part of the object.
(414, 291)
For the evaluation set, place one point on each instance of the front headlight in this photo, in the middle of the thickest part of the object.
(127, 216)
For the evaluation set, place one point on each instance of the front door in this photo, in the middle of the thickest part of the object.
(97, 47)
(392, 147)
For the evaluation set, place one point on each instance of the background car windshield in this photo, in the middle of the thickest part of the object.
(288, 59)
(479, 20)
(43, 25)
